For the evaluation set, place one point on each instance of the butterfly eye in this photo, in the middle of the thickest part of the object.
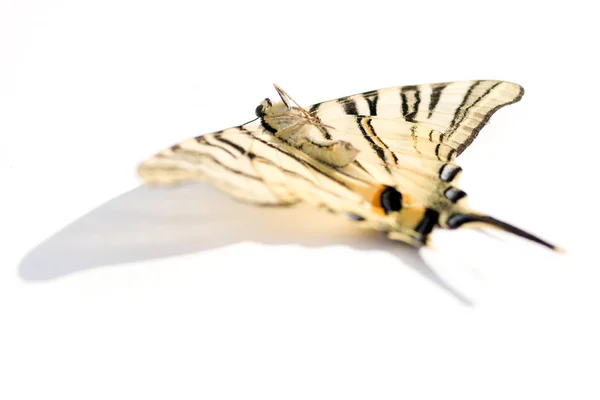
(391, 200)
(259, 111)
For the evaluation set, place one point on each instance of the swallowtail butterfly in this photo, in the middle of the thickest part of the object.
(384, 158)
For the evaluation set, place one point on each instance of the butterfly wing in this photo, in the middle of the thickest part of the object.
(409, 138)
(223, 158)
(454, 111)
(253, 166)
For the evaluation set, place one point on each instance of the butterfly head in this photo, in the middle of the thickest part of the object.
(263, 107)
(283, 116)
(280, 115)
(267, 108)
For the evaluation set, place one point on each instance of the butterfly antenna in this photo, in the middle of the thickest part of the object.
(457, 220)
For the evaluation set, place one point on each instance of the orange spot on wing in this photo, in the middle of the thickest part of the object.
(376, 201)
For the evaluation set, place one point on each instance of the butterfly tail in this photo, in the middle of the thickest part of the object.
(458, 220)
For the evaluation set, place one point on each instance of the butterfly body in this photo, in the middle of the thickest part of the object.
(385, 158)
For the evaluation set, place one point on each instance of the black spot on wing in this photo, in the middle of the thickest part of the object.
(391, 200)
(453, 194)
(428, 222)
(448, 172)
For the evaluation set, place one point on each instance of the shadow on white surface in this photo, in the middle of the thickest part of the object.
(149, 223)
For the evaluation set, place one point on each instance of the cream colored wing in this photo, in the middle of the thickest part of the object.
(455, 111)
(252, 165)
(223, 158)
(409, 136)
(402, 179)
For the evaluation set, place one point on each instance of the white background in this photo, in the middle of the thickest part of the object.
(184, 294)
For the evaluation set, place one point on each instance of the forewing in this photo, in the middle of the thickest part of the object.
(224, 158)
(254, 166)
(409, 136)
(455, 111)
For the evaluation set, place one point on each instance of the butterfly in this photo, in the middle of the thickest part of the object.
(385, 158)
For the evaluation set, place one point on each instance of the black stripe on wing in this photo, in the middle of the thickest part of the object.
(484, 121)
(410, 99)
(467, 112)
(434, 98)
(379, 146)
